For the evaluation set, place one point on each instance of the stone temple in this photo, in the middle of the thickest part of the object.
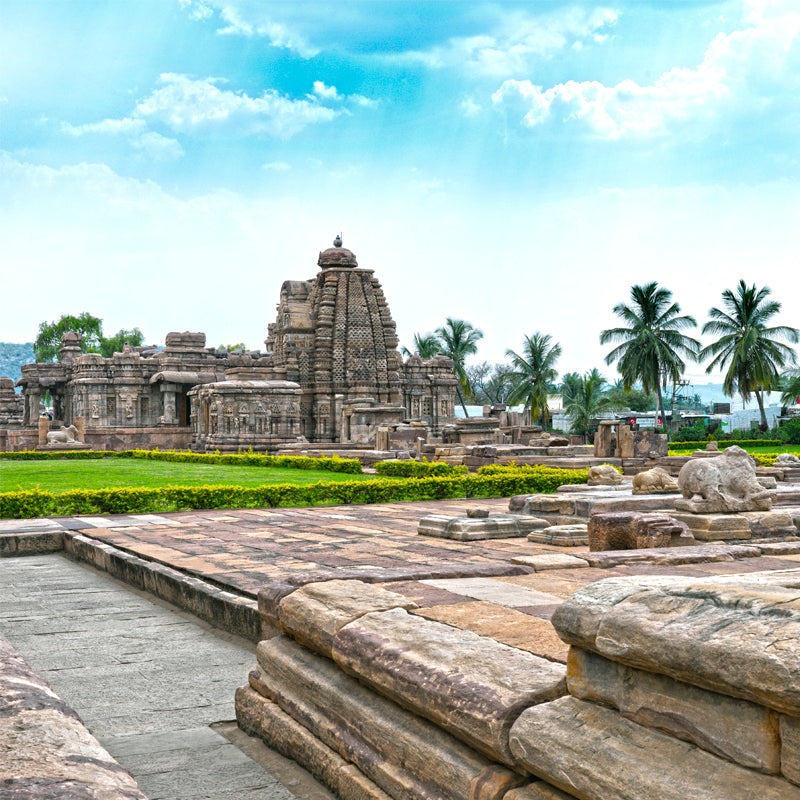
(331, 373)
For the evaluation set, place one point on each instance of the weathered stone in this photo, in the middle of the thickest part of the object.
(478, 513)
(715, 527)
(472, 686)
(604, 475)
(545, 561)
(734, 729)
(561, 535)
(314, 613)
(669, 556)
(404, 755)
(770, 524)
(466, 529)
(261, 717)
(737, 638)
(538, 791)
(787, 460)
(790, 748)
(724, 484)
(655, 481)
(593, 752)
(269, 599)
(44, 744)
(632, 530)
(534, 504)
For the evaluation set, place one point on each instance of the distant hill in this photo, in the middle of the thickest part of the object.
(13, 356)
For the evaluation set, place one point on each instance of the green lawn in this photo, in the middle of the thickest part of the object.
(676, 449)
(61, 476)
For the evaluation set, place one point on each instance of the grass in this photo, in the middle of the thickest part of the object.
(676, 450)
(61, 476)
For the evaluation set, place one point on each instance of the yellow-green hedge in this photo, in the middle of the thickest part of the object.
(349, 466)
(418, 469)
(27, 504)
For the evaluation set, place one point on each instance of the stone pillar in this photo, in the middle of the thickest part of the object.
(44, 428)
(170, 416)
(31, 408)
(80, 424)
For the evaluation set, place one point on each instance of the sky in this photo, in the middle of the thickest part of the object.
(167, 164)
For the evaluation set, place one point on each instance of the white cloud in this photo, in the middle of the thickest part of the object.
(187, 105)
(470, 108)
(277, 166)
(326, 92)
(158, 147)
(197, 10)
(124, 126)
(516, 40)
(746, 68)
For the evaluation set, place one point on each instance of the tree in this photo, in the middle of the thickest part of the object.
(746, 345)
(457, 340)
(490, 382)
(584, 399)
(634, 399)
(48, 340)
(533, 374)
(115, 343)
(790, 388)
(426, 345)
(651, 343)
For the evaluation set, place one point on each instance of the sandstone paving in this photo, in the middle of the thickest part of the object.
(146, 681)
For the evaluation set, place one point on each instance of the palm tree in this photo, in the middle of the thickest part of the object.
(584, 399)
(790, 387)
(457, 340)
(746, 345)
(533, 374)
(426, 345)
(651, 345)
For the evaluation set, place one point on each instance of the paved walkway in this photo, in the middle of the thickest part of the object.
(471, 585)
(147, 681)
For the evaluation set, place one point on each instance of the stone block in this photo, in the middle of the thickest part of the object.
(734, 637)
(790, 748)
(670, 556)
(545, 561)
(314, 613)
(715, 527)
(535, 504)
(472, 686)
(466, 529)
(404, 755)
(538, 791)
(734, 729)
(593, 752)
(770, 524)
(561, 535)
(632, 530)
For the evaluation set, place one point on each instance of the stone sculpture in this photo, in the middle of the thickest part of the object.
(787, 460)
(726, 484)
(655, 481)
(604, 475)
(68, 435)
(632, 530)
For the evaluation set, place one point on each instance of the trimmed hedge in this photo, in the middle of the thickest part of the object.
(335, 463)
(27, 504)
(418, 469)
(727, 443)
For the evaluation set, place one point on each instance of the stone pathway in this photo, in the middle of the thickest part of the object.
(147, 681)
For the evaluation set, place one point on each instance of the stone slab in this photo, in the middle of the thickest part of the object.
(468, 529)
(538, 791)
(314, 613)
(31, 543)
(545, 561)
(735, 636)
(790, 748)
(561, 535)
(593, 752)
(735, 729)
(403, 754)
(470, 685)
(498, 592)
(261, 717)
(670, 556)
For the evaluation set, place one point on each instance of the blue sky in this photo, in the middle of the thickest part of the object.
(519, 165)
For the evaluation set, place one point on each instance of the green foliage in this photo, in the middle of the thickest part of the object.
(745, 443)
(426, 345)
(691, 433)
(506, 482)
(418, 469)
(332, 464)
(634, 399)
(533, 373)
(746, 346)
(584, 398)
(115, 343)
(13, 356)
(457, 340)
(231, 348)
(48, 340)
(790, 431)
(651, 343)
(491, 383)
